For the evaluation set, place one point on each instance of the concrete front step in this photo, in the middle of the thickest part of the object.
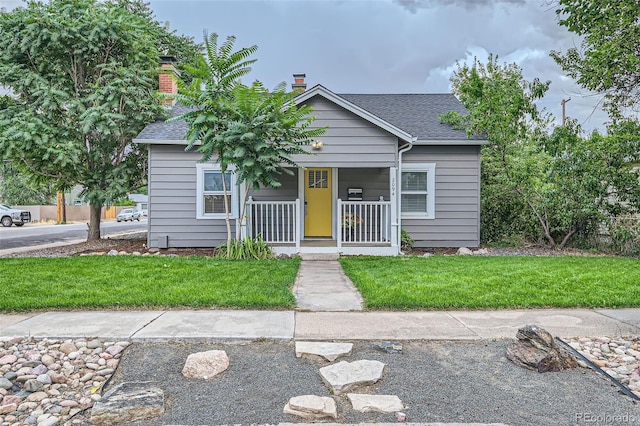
(319, 256)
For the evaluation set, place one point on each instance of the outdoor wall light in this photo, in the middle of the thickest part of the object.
(317, 145)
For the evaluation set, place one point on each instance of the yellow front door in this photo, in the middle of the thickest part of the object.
(317, 195)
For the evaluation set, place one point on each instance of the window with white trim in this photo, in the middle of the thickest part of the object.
(417, 190)
(210, 192)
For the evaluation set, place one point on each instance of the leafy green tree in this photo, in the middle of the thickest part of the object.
(83, 75)
(590, 179)
(570, 184)
(609, 59)
(16, 188)
(501, 107)
(247, 129)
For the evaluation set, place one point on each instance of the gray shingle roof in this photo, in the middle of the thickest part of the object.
(160, 130)
(416, 114)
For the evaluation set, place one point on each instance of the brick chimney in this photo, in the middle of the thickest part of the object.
(298, 83)
(166, 75)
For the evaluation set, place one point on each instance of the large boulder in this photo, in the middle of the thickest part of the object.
(128, 402)
(464, 251)
(205, 365)
(536, 349)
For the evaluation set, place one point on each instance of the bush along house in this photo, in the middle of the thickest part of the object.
(385, 164)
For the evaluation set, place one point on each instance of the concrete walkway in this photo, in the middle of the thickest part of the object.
(229, 325)
(321, 285)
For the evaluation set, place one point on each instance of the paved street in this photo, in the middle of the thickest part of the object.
(35, 234)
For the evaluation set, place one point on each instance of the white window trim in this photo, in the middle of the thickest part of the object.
(430, 169)
(201, 168)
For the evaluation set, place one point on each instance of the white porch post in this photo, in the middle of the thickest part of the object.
(296, 225)
(339, 225)
(393, 196)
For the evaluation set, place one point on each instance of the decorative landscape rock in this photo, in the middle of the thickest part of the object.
(40, 378)
(327, 350)
(345, 376)
(5, 383)
(128, 402)
(8, 359)
(536, 349)
(619, 357)
(205, 365)
(464, 251)
(366, 403)
(311, 407)
(389, 347)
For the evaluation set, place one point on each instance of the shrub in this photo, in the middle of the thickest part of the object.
(247, 248)
(625, 236)
(406, 242)
(505, 219)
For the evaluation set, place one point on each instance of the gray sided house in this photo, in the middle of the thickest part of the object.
(386, 163)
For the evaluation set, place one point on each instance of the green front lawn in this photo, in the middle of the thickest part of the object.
(474, 282)
(145, 282)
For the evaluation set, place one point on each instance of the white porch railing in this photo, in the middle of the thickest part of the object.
(364, 222)
(275, 221)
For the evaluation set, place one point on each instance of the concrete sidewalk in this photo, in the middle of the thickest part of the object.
(229, 325)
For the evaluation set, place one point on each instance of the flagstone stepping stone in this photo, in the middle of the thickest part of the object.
(345, 376)
(128, 402)
(311, 407)
(327, 350)
(205, 365)
(366, 403)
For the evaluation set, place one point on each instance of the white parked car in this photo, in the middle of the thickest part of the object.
(128, 214)
(9, 216)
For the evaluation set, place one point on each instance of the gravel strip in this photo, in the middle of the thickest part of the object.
(437, 382)
(54, 380)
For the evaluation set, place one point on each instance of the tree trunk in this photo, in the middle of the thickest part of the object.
(94, 222)
(567, 237)
(243, 212)
(544, 224)
(226, 214)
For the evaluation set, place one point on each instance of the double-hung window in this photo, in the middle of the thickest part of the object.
(417, 192)
(210, 192)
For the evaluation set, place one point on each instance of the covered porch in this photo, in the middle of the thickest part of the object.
(350, 211)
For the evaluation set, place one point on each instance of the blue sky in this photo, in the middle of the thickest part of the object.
(387, 46)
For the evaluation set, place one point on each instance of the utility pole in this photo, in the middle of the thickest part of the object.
(564, 114)
(59, 207)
